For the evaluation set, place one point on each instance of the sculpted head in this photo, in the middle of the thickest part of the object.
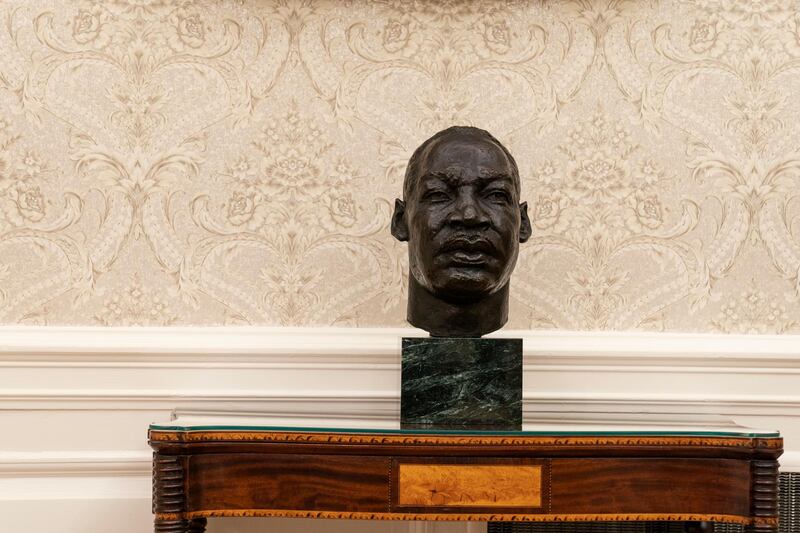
(463, 220)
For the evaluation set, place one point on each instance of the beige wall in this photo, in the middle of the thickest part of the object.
(235, 161)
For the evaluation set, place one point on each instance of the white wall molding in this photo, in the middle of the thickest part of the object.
(75, 463)
(318, 345)
(382, 405)
(340, 369)
(83, 396)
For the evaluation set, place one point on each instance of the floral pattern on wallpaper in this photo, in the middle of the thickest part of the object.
(235, 161)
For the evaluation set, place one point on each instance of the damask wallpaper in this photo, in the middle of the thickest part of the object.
(235, 162)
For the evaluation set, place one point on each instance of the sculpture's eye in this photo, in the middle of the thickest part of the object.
(436, 196)
(498, 196)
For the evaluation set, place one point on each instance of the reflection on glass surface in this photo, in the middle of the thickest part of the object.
(635, 424)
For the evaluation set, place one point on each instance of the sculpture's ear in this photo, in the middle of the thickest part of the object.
(399, 224)
(525, 229)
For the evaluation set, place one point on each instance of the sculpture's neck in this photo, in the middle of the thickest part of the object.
(445, 319)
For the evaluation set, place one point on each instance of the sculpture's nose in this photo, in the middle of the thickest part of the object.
(468, 211)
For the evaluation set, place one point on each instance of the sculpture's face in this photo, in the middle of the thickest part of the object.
(463, 219)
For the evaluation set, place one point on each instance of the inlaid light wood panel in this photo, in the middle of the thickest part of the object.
(437, 485)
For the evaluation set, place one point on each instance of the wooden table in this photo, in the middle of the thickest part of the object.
(202, 471)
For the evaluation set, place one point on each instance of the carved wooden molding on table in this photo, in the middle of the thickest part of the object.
(472, 517)
(459, 440)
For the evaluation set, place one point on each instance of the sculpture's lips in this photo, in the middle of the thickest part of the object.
(461, 257)
(468, 250)
(468, 244)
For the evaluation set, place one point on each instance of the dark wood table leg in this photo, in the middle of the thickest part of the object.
(764, 496)
(169, 498)
(195, 525)
(761, 528)
(698, 527)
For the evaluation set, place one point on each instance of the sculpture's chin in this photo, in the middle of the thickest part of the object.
(466, 285)
(465, 306)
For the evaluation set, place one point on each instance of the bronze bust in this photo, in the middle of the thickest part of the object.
(463, 221)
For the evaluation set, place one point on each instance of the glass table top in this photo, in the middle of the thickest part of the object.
(606, 424)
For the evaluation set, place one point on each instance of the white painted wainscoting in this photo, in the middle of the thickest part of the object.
(75, 402)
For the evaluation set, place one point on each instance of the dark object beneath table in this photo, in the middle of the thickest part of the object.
(614, 527)
(461, 383)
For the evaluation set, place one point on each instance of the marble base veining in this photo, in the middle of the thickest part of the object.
(461, 383)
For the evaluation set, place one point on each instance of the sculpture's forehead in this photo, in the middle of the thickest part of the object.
(465, 156)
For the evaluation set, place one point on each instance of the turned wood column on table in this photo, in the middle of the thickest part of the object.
(764, 496)
(169, 497)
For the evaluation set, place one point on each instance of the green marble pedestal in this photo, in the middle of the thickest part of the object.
(461, 383)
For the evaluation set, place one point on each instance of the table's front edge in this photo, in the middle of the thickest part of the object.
(472, 517)
(762, 443)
